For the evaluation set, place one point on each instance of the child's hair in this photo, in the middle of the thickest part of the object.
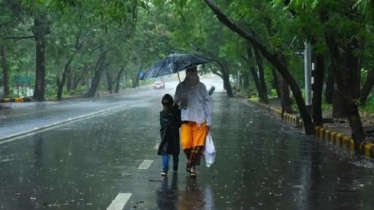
(169, 98)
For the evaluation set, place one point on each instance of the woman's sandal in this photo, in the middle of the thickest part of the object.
(188, 169)
(193, 174)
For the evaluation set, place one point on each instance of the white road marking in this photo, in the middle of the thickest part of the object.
(51, 126)
(156, 146)
(120, 201)
(145, 164)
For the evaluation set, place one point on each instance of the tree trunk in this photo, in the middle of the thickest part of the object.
(61, 83)
(40, 47)
(318, 89)
(116, 90)
(245, 78)
(5, 67)
(274, 60)
(286, 101)
(77, 80)
(69, 82)
(338, 106)
(60, 87)
(260, 65)
(253, 71)
(109, 82)
(366, 88)
(330, 86)
(135, 81)
(100, 67)
(118, 79)
(227, 84)
(225, 75)
(346, 68)
(276, 83)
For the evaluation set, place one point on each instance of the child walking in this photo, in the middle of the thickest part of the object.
(170, 122)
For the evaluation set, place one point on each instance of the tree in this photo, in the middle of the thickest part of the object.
(274, 60)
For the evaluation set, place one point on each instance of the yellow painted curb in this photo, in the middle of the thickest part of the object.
(15, 100)
(368, 150)
(323, 133)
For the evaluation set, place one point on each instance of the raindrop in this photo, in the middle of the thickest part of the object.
(279, 183)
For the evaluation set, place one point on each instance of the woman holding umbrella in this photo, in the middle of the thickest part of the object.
(192, 97)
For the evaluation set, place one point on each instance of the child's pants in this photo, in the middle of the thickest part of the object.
(165, 162)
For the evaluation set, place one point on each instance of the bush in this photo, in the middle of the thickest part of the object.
(369, 107)
(273, 93)
(50, 92)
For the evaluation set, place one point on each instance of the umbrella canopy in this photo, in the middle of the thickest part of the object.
(173, 64)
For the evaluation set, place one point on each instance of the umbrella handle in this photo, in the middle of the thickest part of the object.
(178, 76)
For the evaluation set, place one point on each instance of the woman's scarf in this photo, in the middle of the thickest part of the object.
(192, 78)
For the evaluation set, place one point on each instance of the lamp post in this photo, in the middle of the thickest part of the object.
(308, 74)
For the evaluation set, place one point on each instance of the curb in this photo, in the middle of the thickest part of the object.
(15, 100)
(322, 133)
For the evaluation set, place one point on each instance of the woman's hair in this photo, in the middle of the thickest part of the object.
(169, 98)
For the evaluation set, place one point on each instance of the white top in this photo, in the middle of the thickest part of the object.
(198, 105)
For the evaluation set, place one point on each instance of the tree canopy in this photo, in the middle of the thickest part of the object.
(69, 47)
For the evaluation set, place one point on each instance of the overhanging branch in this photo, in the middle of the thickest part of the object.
(25, 37)
(203, 51)
(18, 37)
(252, 39)
(215, 72)
(245, 58)
(287, 4)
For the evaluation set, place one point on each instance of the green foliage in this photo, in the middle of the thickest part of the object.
(79, 32)
(136, 33)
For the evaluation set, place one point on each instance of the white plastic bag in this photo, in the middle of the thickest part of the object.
(209, 150)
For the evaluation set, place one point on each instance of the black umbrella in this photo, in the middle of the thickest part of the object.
(174, 63)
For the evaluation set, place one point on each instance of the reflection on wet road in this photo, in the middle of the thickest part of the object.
(261, 164)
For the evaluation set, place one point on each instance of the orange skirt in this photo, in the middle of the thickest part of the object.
(193, 135)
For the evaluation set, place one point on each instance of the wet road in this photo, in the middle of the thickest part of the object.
(28, 116)
(261, 164)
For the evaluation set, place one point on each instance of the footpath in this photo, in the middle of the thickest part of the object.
(338, 133)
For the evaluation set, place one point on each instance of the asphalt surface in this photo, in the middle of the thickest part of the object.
(110, 160)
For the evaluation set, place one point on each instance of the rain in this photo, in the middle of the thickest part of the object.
(274, 96)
